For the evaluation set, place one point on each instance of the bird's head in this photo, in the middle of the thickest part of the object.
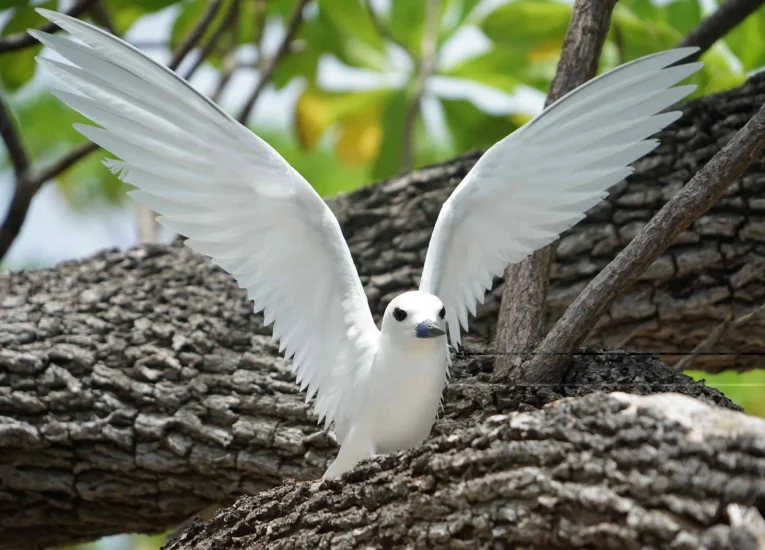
(415, 315)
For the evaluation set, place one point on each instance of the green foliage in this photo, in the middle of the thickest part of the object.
(364, 129)
(747, 41)
(746, 389)
(19, 66)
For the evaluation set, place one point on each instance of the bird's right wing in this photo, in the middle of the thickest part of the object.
(235, 198)
(541, 179)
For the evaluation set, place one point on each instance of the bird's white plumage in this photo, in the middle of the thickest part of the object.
(235, 198)
(244, 206)
(538, 181)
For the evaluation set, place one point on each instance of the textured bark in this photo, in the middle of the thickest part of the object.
(88, 449)
(600, 472)
(137, 387)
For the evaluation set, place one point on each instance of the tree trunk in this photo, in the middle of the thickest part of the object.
(599, 472)
(137, 387)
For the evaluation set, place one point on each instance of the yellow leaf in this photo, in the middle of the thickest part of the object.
(311, 117)
(360, 138)
(519, 119)
(544, 51)
(316, 110)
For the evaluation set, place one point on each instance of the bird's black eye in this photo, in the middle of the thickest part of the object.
(399, 314)
(442, 313)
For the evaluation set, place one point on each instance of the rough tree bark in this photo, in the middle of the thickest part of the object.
(600, 472)
(137, 387)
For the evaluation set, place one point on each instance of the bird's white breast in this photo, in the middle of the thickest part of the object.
(405, 393)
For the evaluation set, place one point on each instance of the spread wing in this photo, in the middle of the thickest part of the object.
(235, 198)
(538, 181)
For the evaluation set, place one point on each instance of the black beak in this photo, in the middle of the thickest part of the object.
(427, 329)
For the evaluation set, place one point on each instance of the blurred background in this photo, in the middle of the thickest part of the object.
(348, 91)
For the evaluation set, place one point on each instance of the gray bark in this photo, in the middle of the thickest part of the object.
(137, 387)
(599, 472)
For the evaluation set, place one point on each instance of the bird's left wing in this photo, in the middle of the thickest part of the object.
(538, 181)
(234, 197)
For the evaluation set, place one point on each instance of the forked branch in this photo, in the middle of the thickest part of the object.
(521, 313)
(707, 187)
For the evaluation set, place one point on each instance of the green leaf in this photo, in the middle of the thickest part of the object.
(7, 4)
(747, 41)
(124, 14)
(501, 68)
(389, 160)
(527, 24)
(636, 37)
(327, 34)
(407, 23)
(717, 75)
(471, 127)
(18, 67)
(352, 20)
(683, 15)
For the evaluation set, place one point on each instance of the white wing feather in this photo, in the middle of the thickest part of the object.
(538, 181)
(235, 198)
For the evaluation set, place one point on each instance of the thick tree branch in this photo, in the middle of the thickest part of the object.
(265, 76)
(720, 22)
(21, 40)
(522, 313)
(698, 196)
(600, 472)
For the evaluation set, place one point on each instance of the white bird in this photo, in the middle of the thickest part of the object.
(240, 203)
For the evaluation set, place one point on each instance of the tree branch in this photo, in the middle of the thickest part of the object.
(12, 139)
(521, 315)
(425, 64)
(707, 187)
(21, 40)
(564, 477)
(230, 20)
(720, 22)
(265, 76)
(195, 35)
(729, 323)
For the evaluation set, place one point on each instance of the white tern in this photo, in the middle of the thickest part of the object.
(239, 202)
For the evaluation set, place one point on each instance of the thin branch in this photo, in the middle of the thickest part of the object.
(101, 17)
(424, 69)
(549, 360)
(292, 27)
(21, 40)
(728, 324)
(229, 20)
(63, 164)
(192, 39)
(720, 22)
(522, 309)
(12, 139)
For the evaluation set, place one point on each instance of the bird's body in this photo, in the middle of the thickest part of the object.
(240, 203)
(410, 368)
